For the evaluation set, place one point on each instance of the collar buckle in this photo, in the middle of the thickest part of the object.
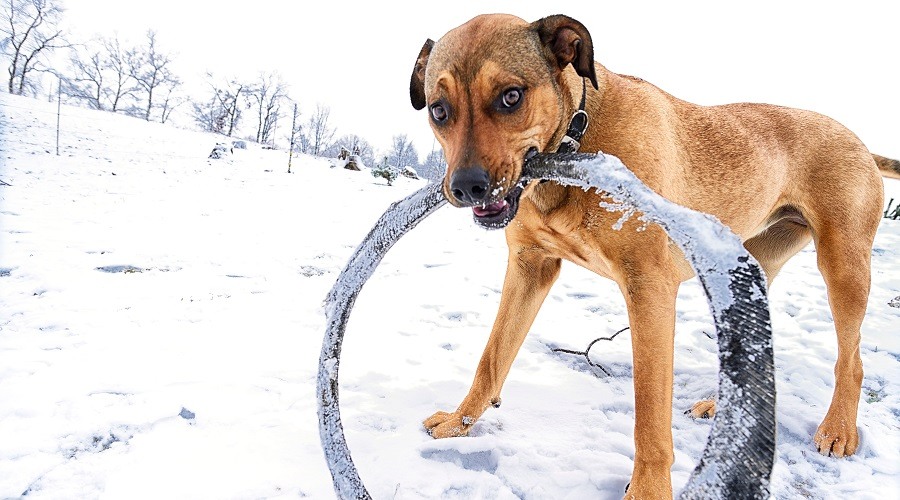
(577, 126)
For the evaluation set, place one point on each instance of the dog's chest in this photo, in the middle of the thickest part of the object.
(566, 232)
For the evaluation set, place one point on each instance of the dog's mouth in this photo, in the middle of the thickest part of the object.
(499, 214)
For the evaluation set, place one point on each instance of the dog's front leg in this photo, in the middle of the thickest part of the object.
(650, 298)
(529, 275)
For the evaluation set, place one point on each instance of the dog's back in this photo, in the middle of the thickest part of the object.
(740, 162)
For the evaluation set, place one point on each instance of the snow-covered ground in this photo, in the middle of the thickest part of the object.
(161, 321)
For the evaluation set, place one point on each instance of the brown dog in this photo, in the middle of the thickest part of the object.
(499, 89)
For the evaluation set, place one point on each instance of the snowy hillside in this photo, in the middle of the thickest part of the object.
(160, 327)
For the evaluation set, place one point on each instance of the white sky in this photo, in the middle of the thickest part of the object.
(838, 58)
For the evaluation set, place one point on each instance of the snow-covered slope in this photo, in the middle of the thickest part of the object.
(160, 326)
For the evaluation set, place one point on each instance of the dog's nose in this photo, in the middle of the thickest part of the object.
(470, 185)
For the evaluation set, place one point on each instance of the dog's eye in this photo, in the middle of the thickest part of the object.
(511, 98)
(439, 113)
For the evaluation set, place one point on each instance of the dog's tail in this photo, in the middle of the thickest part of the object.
(888, 167)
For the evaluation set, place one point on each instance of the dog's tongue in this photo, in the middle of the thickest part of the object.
(489, 210)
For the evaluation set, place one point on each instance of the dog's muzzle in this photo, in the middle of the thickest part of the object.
(491, 209)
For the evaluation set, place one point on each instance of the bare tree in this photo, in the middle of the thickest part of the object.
(29, 33)
(221, 111)
(403, 153)
(150, 70)
(300, 140)
(122, 86)
(100, 74)
(171, 100)
(318, 134)
(228, 100)
(85, 79)
(434, 166)
(206, 115)
(266, 95)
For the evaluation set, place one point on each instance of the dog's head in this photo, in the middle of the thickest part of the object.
(492, 88)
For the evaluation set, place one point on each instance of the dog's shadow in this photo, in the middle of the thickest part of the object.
(475, 460)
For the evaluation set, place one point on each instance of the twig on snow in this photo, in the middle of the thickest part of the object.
(586, 351)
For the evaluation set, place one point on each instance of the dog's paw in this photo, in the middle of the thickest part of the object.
(703, 409)
(442, 425)
(656, 489)
(836, 437)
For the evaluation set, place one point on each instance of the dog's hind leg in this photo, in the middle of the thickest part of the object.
(844, 213)
(843, 259)
(529, 275)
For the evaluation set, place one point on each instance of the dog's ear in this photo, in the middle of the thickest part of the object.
(417, 80)
(570, 43)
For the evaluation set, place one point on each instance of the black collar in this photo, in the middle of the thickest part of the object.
(577, 126)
